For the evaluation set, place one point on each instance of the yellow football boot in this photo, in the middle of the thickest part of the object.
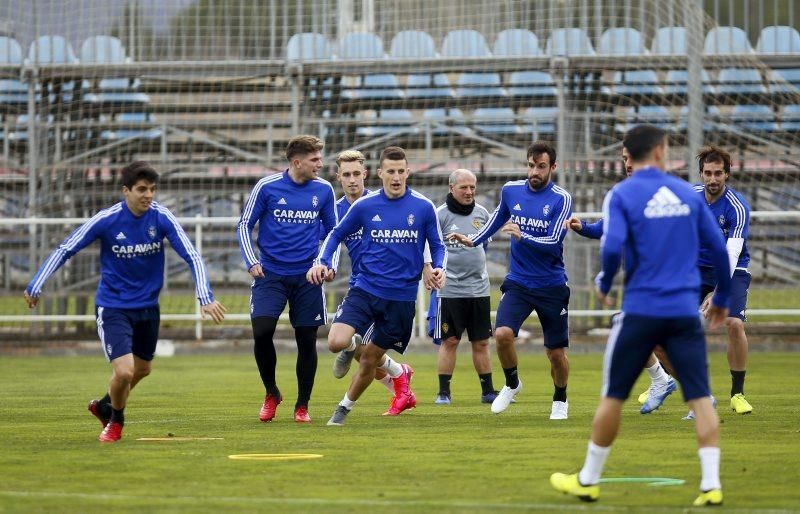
(569, 484)
(739, 405)
(712, 498)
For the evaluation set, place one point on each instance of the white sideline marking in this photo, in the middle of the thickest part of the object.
(570, 505)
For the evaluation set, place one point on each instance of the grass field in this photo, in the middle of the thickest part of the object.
(452, 459)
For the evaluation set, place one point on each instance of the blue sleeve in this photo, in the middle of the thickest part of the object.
(433, 234)
(615, 230)
(556, 231)
(328, 212)
(183, 246)
(80, 238)
(740, 224)
(253, 209)
(499, 217)
(591, 230)
(347, 225)
(711, 238)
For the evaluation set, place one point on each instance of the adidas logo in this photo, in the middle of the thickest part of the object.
(517, 208)
(376, 218)
(453, 227)
(398, 344)
(665, 204)
(282, 201)
(319, 317)
(563, 312)
(120, 236)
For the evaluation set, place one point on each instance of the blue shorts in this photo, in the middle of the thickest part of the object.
(550, 303)
(363, 330)
(740, 283)
(393, 319)
(124, 331)
(269, 295)
(632, 341)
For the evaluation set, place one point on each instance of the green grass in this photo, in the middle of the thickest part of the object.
(437, 459)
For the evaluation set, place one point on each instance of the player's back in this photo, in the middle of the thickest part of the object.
(662, 243)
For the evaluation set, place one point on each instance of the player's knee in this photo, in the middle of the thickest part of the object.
(735, 325)
(451, 343)
(124, 374)
(142, 372)
(337, 341)
(504, 336)
(557, 356)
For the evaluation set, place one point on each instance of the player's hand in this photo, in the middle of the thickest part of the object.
(461, 238)
(513, 230)
(214, 309)
(256, 271)
(705, 306)
(605, 300)
(716, 316)
(30, 300)
(574, 223)
(316, 274)
(427, 276)
(437, 278)
(330, 275)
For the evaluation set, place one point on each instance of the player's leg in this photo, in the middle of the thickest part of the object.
(392, 331)
(661, 385)
(369, 360)
(513, 310)
(478, 323)
(622, 363)
(145, 339)
(737, 341)
(115, 328)
(306, 313)
(552, 306)
(686, 347)
(449, 328)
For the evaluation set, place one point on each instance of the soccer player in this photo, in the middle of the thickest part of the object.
(351, 174)
(131, 235)
(464, 302)
(289, 208)
(661, 383)
(537, 210)
(658, 222)
(733, 215)
(396, 221)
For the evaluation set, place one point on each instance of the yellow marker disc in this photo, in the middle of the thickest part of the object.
(275, 456)
(180, 439)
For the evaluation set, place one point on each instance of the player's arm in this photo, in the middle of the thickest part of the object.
(588, 230)
(556, 231)
(738, 232)
(615, 233)
(80, 238)
(350, 223)
(433, 236)
(252, 212)
(496, 221)
(183, 246)
(330, 218)
(711, 238)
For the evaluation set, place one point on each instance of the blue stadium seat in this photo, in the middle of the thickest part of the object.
(621, 41)
(790, 118)
(778, 40)
(103, 49)
(656, 115)
(125, 133)
(403, 117)
(739, 80)
(517, 43)
(727, 40)
(713, 114)
(785, 80)
(677, 82)
(51, 50)
(669, 41)
(412, 44)
(479, 84)
(426, 86)
(641, 82)
(12, 91)
(495, 120)
(361, 45)
(757, 118)
(19, 130)
(540, 121)
(569, 42)
(464, 43)
(531, 83)
(444, 116)
(109, 50)
(308, 46)
(381, 86)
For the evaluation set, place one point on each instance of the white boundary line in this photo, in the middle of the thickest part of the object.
(570, 506)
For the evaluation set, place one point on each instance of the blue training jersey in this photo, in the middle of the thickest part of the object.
(131, 256)
(393, 238)
(537, 258)
(660, 222)
(352, 241)
(289, 217)
(733, 217)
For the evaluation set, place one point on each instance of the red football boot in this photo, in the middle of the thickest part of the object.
(271, 403)
(301, 415)
(112, 433)
(401, 402)
(94, 408)
(402, 384)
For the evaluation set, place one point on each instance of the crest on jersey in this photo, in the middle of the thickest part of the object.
(314, 201)
(410, 219)
(721, 220)
(445, 328)
(546, 209)
(151, 231)
(477, 223)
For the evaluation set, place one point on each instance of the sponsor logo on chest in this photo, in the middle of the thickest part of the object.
(136, 250)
